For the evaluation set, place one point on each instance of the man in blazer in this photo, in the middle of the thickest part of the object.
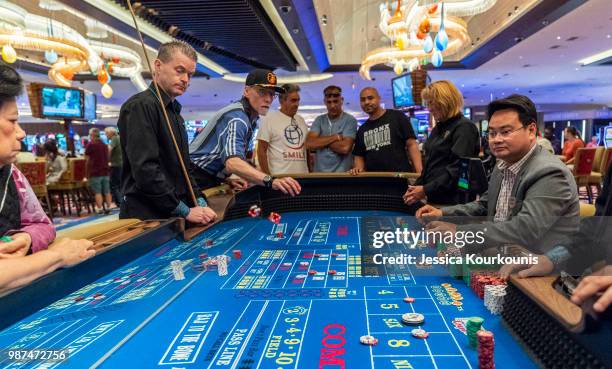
(532, 199)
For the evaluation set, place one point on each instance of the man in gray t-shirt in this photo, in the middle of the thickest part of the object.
(332, 135)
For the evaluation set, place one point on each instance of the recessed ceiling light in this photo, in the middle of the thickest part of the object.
(520, 56)
(608, 36)
(558, 37)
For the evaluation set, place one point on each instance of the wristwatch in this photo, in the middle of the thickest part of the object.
(267, 181)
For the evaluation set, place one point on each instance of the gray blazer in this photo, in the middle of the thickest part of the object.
(546, 207)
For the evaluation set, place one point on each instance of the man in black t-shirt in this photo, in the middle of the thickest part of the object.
(386, 141)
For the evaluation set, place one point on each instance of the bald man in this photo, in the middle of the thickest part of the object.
(386, 141)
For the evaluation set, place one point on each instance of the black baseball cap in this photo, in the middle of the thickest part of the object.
(263, 78)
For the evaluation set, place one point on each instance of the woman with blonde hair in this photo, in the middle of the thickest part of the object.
(453, 137)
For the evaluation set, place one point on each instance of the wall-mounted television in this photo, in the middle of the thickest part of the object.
(90, 106)
(402, 91)
(61, 102)
(407, 89)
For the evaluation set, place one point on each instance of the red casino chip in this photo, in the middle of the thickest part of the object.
(254, 211)
(368, 340)
(312, 272)
(274, 218)
(331, 272)
(409, 299)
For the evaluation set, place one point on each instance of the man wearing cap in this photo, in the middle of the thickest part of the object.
(220, 149)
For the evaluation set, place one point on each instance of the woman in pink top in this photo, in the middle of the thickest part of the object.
(25, 229)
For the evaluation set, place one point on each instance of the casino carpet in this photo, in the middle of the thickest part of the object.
(62, 223)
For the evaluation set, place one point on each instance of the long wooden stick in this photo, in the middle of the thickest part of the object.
(159, 96)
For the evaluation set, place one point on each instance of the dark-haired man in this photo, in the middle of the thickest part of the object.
(332, 135)
(153, 184)
(532, 198)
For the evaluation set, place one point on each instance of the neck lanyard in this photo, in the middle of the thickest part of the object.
(330, 123)
(6, 188)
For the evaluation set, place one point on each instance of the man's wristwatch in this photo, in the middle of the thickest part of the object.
(267, 181)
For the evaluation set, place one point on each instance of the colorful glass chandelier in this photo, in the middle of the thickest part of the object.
(424, 32)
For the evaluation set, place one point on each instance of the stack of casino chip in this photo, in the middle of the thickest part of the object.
(486, 345)
(472, 326)
(480, 279)
(254, 211)
(274, 217)
(494, 298)
(413, 319)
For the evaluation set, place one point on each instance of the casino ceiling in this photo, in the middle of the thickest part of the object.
(535, 47)
(315, 36)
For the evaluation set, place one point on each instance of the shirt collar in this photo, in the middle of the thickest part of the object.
(167, 100)
(246, 105)
(450, 120)
(516, 167)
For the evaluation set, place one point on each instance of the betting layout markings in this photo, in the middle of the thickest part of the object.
(329, 257)
(426, 343)
(295, 262)
(297, 360)
(430, 355)
(265, 347)
(145, 322)
(34, 344)
(448, 328)
(238, 269)
(246, 339)
(407, 266)
(365, 301)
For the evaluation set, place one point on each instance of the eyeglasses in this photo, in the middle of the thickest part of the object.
(504, 133)
(263, 92)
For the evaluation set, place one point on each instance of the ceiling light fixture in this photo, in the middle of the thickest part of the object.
(411, 28)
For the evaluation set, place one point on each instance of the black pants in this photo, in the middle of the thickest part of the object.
(204, 179)
(115, 184)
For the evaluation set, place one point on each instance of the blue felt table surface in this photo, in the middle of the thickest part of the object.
(269, 312)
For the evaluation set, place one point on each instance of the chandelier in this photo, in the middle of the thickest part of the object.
(66, 51)
(423, 32)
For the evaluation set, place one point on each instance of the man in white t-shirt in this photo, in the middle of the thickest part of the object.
(282, 135)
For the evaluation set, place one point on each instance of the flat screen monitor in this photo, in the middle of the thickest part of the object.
(60, 102)
(467, 112)
(415, 124)
(402, 91)
(484, 127)
(90, 106)
(608, 136)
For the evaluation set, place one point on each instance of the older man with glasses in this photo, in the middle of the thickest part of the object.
(532, 200)
(220, 150)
